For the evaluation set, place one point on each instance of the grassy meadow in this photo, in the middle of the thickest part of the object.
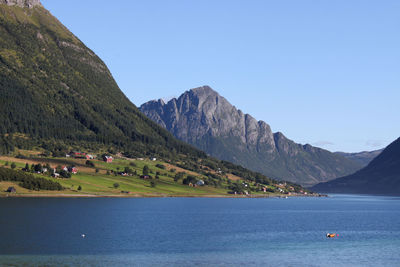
(105, 179)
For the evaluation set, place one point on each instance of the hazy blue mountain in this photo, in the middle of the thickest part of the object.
(380, 176)
(208, 121)
(363, 158)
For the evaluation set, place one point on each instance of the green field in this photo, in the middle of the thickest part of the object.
(103, 179)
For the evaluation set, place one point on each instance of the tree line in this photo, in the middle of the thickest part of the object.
(28, 181)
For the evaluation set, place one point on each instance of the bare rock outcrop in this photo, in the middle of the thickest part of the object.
(21, 3)
(208, 121)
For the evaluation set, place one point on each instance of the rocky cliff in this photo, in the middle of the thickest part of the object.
(21, 3)
(207, 120)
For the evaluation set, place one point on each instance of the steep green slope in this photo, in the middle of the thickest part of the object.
(381, 176)
(54, 90)
(56, 95)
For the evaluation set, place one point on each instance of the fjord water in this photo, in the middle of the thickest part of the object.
(200, 231)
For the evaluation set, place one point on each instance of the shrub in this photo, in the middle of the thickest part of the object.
(65, 174)
(189, 179)
(90, 163)
(146, 170)
(160, 166)
(179, 176)
(128, 170)
(58, 154)
(116, 185)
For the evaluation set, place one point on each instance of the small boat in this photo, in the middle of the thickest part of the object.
(329, 235)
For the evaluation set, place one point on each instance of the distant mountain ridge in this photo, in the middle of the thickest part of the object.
(208, 121)
(363, 158)
(380, 176)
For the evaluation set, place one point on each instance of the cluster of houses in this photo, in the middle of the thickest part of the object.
(71, 169)
(108, 159)
(42, 170)
(83, 155)
(80, 155)
(284, 188)
(152, 159)
(198, 183)
(125, 174)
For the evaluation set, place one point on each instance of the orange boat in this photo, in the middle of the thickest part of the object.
(328, 235)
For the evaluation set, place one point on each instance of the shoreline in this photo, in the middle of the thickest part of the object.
(148, 196)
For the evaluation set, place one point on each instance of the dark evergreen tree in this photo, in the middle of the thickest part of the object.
(146, 170)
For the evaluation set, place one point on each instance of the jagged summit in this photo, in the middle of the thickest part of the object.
(208, 121)
(205, 89)
(21, 3)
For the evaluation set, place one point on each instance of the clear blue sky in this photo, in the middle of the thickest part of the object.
(322, 72)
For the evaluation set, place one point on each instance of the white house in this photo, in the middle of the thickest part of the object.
(200, 183)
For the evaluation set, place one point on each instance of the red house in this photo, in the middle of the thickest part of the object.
(108, 159)
(73, 170)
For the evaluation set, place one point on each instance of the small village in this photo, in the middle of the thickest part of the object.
(76, 164)
(64, 171)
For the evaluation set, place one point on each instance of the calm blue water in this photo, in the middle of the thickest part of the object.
(201, 231)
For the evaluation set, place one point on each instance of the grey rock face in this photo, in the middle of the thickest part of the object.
(202, 111)
(21, 3)
(208, 121)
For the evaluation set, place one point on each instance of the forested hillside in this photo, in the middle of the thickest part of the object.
(55, 93)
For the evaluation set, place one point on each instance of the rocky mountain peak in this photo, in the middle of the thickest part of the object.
(208, 121)
(202, 111)
(21, 3)
(203, 90)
